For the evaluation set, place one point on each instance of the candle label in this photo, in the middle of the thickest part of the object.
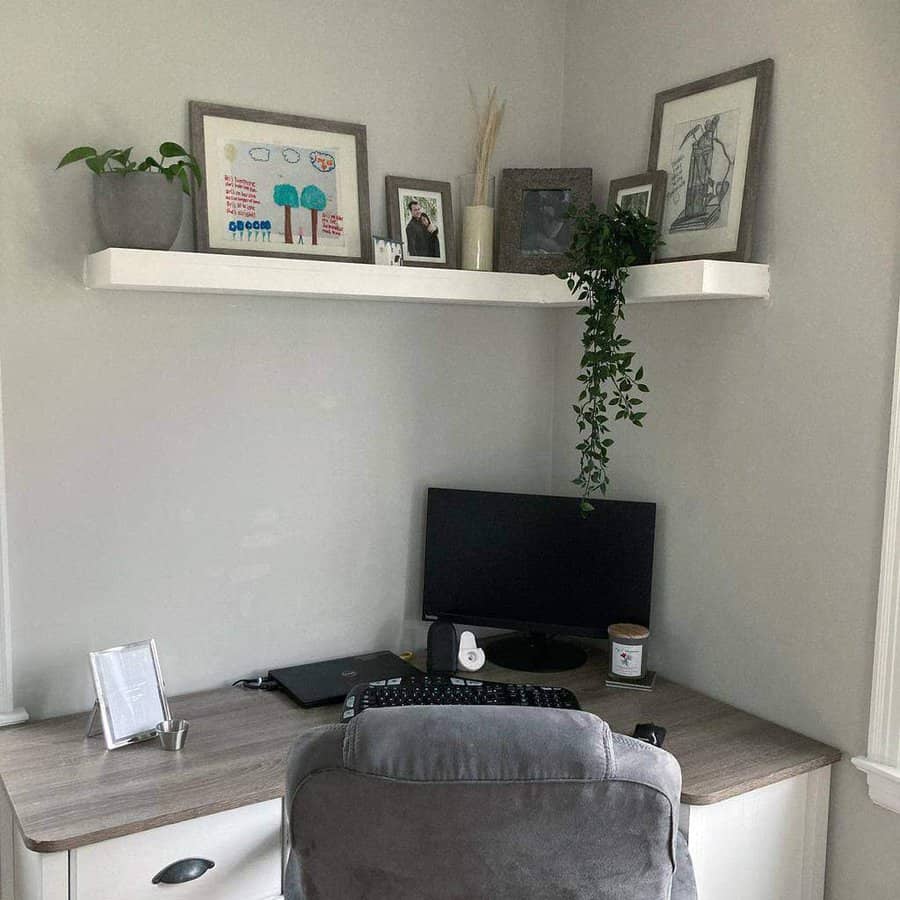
(627, 659)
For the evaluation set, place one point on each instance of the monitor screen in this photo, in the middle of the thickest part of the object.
(534, 563)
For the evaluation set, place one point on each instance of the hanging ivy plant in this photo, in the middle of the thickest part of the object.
(603, 247)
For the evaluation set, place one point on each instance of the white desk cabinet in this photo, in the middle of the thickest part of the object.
(767, 844)
(244, 844)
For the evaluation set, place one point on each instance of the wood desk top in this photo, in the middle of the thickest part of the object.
(68, 791)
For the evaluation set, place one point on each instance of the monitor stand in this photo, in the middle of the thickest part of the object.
(534, 652)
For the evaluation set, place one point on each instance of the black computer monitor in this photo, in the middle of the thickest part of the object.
(535, 564)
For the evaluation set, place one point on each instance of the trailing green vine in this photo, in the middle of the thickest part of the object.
(603, 247)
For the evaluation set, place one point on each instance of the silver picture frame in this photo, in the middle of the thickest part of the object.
(125, 709)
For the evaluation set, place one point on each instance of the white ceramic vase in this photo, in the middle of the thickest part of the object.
(478, 238)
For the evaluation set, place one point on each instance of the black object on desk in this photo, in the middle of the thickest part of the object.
(449, 690)
(443, 648)
(316, 684)
(497, 559)
(650, 733)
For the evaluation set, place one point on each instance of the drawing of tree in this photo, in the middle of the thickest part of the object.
(286, 195)
(313, 199)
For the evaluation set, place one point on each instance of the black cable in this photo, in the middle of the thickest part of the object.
(260, 683)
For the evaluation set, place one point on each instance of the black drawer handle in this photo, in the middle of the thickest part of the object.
(183, 870)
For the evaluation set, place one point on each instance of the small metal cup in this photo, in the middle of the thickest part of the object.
(173, 733)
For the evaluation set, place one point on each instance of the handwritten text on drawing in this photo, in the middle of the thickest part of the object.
(332, 224)
(240, 197)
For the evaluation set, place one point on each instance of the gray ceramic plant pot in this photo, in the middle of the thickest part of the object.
(140, 210)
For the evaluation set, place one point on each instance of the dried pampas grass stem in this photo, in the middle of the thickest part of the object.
(487, 124)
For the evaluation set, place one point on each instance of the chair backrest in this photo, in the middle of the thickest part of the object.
(435, 803)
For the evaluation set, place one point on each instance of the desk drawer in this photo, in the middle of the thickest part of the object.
(244, 844)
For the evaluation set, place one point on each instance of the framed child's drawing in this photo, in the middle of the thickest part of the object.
(280, 185)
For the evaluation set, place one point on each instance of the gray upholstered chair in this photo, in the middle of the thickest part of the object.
(497, 803)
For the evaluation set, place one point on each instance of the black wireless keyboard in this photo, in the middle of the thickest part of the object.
(450, 690)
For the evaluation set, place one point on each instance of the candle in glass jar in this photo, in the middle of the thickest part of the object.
(628, 650)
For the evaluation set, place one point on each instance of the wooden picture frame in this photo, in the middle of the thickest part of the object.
(645, 192)
(409, 202)
(130, 691)
(708, 136)
(258, 166)
(533, 225)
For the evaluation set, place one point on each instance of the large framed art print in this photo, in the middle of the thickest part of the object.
(280, 185)
(707, 137)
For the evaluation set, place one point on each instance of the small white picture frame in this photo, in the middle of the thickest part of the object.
(387, 252)
(131, 694)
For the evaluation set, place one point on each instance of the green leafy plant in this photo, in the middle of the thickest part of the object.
(119, 162)
(603, 246)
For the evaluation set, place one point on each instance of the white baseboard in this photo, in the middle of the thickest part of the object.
(884, 782)
(16, 717)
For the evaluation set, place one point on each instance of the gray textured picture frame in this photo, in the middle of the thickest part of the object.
(763, 72)
(395, 183)
(197, 109)
(513, 185)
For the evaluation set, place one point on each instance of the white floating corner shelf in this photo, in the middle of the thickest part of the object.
(213, 273)
(697, 279)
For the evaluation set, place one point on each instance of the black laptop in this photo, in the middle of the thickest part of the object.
(329, 681)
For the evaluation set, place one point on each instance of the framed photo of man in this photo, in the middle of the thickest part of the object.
(420, 216)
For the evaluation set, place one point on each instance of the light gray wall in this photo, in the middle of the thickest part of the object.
(766, 436)
(243, 478)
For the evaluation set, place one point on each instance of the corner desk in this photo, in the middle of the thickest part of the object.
(82, 823)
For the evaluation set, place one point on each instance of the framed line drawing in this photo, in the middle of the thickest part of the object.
(131, 694)
(534, 227)
(707, 137)
(420, 216)
(280, 185)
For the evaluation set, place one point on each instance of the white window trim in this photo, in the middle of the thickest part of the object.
(882, 760)
(9, 713)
